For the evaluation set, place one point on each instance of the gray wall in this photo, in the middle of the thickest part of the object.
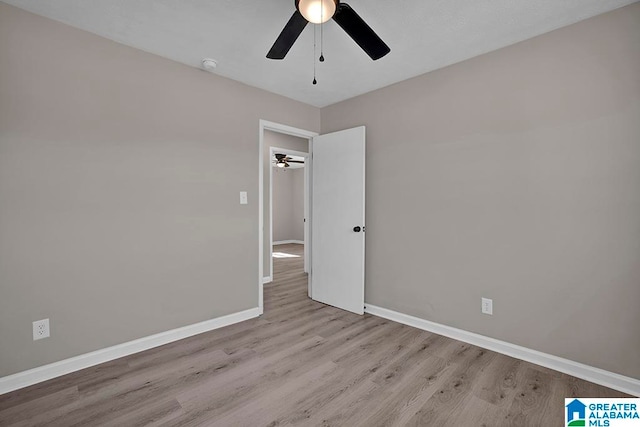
(288, 204)
(119, 207)
(280, 140)
(515, 176)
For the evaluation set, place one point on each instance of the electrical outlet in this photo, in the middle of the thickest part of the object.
(487, 306)
(40, 329)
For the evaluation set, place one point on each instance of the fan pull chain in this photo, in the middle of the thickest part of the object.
(314, 56)
(321, 33)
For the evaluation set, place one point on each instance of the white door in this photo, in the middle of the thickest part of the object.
(337, 219)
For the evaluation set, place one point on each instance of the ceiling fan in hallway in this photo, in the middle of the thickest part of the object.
(282, 160)
(319, 12)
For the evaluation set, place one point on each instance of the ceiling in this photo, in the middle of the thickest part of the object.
(424, 35)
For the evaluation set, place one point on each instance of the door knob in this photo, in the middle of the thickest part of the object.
(356, 229)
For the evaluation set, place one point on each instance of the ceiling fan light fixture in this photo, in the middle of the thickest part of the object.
(317, 11)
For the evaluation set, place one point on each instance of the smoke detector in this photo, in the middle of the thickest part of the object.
(209, 64)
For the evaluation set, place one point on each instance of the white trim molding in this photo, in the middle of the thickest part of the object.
(287, 242)
(267, 279)
(66, 366)
(589, 373)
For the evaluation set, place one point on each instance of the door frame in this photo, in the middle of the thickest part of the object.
(306, 156)
(287, 130)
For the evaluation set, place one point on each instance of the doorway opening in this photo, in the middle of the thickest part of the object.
(288, 202)
(265, 240)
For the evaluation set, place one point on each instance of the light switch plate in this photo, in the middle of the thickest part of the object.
(487, 306)
(243, 197)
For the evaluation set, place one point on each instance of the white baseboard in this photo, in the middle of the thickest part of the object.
(596, 375)
(286, 242)
(267, 279)
(63, 367)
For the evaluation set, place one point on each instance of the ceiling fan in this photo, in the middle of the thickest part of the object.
(320, 11)
(282, 160)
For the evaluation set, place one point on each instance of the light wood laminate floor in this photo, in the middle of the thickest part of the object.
(304, 363)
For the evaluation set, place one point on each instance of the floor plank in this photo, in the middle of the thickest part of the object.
(303, 363)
